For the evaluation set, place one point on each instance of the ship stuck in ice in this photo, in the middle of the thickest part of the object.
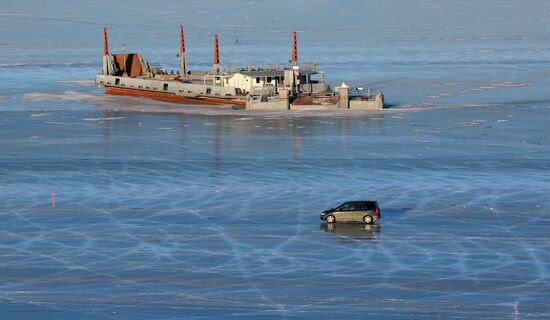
(292, 86)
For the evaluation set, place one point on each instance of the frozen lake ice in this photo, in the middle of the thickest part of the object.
(167, 215)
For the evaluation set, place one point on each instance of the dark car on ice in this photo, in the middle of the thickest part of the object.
(353, 211)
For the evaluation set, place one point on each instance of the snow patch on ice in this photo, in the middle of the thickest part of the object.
(103, 118)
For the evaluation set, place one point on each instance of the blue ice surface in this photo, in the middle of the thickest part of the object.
(176, 216)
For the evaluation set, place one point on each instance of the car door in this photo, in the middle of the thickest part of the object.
(350, 212)
(356, 211)
(360, 210)
(342, 212)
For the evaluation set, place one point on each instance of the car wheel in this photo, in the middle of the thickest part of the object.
(367, 219)
(331, 219)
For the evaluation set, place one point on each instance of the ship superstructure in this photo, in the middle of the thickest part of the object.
(262, 87)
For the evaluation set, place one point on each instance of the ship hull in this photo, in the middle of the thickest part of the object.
(171, 97)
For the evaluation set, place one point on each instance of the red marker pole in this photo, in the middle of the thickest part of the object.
(295, 50)
(216, 50)
(53, 200)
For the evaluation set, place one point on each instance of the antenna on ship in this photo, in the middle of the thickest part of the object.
(125, 74)
(216, 66)
(182, 55)
(237, 43)
(105, 53)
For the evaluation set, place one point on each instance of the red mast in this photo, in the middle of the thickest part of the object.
(105, 43)
(295, 50)
(107, 70)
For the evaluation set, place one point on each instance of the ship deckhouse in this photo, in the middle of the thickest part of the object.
(268, 80)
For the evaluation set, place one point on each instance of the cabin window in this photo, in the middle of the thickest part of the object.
(208, 90)
(316, 78)
(258, 80)
(117, 81)
(269, 79)
(165, 86)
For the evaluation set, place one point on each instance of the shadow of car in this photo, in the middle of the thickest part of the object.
(352, 230)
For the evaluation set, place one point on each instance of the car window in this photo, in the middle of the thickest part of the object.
(344, 207)
(356, 206)
(370, 205)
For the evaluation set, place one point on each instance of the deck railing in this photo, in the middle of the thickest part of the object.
(232, 68)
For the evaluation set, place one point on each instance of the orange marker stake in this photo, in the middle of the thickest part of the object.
(53, 200)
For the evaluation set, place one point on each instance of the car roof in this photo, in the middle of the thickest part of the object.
(369, 201)
(374, 203)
